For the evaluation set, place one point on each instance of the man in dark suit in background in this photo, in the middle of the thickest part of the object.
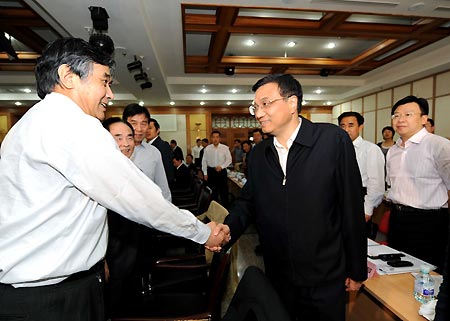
(305, 194)
(182, 179)
(177, 151)
(163, 147)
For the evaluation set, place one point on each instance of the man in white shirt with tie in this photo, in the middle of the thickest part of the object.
(371, 165)
(216, 159)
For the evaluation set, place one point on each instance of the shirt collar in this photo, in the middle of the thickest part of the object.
(416, 138)
(357, 142)
(291, 138)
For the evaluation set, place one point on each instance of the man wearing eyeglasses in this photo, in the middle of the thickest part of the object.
(304, 193)
(418, 170)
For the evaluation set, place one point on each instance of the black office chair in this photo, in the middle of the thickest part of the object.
(184, 288)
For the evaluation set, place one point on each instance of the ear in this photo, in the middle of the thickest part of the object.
(292, 101)
(424, 119)
(67, 78)
(361, 128)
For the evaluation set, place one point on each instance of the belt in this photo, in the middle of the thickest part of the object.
(409, 209)
(97, 267)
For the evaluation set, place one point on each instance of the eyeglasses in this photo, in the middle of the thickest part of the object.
(407, 115)
(264, 105)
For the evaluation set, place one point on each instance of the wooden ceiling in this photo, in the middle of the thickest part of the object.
(395, 38)
(31, 34)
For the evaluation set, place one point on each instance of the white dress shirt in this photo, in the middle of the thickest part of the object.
(59, 171)
(283, 152)
(148, 159)
(371, 166)
(196, 151)
(419, 172)
(216, 156)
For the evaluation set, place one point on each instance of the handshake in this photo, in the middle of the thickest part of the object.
(220, 235)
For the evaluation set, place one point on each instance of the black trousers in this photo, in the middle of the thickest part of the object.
(420, 233)
(321, 303)
(78, 298)
(218, 182)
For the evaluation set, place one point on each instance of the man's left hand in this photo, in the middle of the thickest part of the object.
(351, 285)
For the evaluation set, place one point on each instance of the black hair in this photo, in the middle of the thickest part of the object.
(198, 140)
(358, 116)
(173, 141)
(76, 53)
(135, 109)
(288, 86)
(388, 128)
(431, 121)
(216, 132)
(155, 123)
(258, 130)
(205, 140)
(422, 102)
(112, 120)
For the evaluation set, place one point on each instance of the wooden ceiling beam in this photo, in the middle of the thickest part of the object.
(27, 37)
(219, 40)
(333, 20)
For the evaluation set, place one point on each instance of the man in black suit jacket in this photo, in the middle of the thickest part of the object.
(163, 147)
(177, 151)
(305, 195)
(182, 179)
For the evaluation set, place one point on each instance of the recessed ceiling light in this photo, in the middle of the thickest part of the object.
(318, 91)
(331, 45)
(203, 90)
(229, 103)
(110, 103)
(328, 103)
(234, 90)
(291, 44)
(17, 103)
(304, 102)
(250, 42)
(141, 103)
(172, 103)
(202, 103)
(27, 90)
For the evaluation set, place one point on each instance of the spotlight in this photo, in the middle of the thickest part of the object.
(141, 76)
(102, 42)
(99, 18)
(147, 84)
(324, 72)
(229, 71)
(134, 65)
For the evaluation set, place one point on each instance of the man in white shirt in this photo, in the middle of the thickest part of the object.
(216, 159)
(418, 171)
(146, 157)
(371, 165)
(55, 190)
(196, 152)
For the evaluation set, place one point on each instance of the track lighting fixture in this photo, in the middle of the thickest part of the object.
(134, 65)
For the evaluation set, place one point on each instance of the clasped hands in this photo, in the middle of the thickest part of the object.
(220, 235)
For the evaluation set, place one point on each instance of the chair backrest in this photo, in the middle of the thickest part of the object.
(204, 200)
(213, 292)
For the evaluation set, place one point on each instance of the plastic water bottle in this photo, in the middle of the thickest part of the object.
(424, 285)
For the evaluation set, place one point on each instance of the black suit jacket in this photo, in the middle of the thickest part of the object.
(182, 178)
(166, 154)
(311, 222)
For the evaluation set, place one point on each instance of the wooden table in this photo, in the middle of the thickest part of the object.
(385, 297)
